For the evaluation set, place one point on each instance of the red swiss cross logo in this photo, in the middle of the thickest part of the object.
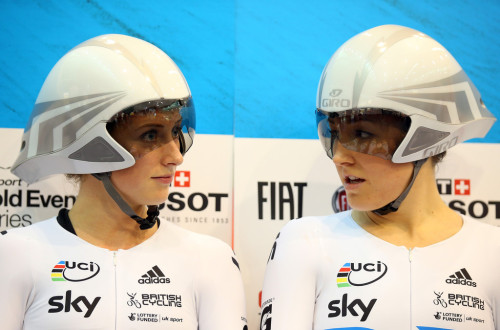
(182, 179)
(462, 187)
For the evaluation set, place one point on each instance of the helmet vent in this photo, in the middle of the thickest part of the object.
(97, 150)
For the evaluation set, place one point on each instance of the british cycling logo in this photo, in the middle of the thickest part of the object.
(132, 301)
(155, 299)
(461, 277)
(360, 274)
(154, 276)
(74, 271)
(458, 299)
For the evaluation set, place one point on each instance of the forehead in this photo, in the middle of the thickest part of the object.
(380, 119)
(152, 116)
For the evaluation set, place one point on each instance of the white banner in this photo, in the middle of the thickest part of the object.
(276, 180)
(200, 198)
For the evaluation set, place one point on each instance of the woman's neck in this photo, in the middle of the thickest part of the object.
(98, 220)
(423, 218)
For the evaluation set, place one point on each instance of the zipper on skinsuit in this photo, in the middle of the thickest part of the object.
(411, 307)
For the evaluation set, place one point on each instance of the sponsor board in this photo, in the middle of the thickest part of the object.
(21, 204)
(467, 180)
(200, 198)
(276, 180)
(273, 181)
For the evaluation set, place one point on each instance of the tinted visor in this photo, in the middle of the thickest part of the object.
(147, 126)
(376, 132)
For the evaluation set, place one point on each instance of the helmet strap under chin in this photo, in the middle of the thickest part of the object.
(394, 205)
(144, 223)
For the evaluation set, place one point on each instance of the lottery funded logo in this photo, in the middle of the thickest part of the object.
(153, 318)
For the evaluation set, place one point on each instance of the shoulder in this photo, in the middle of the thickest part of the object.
(36, 232)
(196, 242)
(316, 227)
(481, 232)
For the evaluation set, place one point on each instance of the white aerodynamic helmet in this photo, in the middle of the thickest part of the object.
(66, 133)
(392, 69)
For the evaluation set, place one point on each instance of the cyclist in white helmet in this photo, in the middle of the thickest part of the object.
(390, 102)
(115, 113)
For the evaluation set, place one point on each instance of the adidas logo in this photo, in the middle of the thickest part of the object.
(461, 277)
(154, 276)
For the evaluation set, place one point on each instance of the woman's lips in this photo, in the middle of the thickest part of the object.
(164, 179)
(352, 181)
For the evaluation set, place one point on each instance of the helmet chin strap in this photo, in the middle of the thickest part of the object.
(394, 205)
(144, 223)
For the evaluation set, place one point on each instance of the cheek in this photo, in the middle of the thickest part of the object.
(131, 176)
(394, 179)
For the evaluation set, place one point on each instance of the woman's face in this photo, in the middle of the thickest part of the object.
(370, 182)
(361, 153)
(153, 139)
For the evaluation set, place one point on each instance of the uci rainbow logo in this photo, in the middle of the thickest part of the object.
(74, 271)
(360, 274)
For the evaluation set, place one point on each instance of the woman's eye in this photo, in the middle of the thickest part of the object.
(176, 131)
(334, 133)
(149, 135)
(364, 134)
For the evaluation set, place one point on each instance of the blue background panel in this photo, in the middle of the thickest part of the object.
(252, 66)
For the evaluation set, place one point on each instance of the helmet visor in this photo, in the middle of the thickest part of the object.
(145, 127)
(375, 132)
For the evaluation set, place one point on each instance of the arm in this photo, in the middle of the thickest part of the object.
(221, 299)
(289, 290)
(15, 282)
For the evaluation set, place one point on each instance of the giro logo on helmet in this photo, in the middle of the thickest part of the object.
(435, 150)
(335, 92)
(345, 103)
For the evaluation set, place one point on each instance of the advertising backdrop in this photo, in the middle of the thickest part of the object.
(253, 69)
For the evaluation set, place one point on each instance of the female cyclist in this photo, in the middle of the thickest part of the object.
(390, 101)
(116, 114)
